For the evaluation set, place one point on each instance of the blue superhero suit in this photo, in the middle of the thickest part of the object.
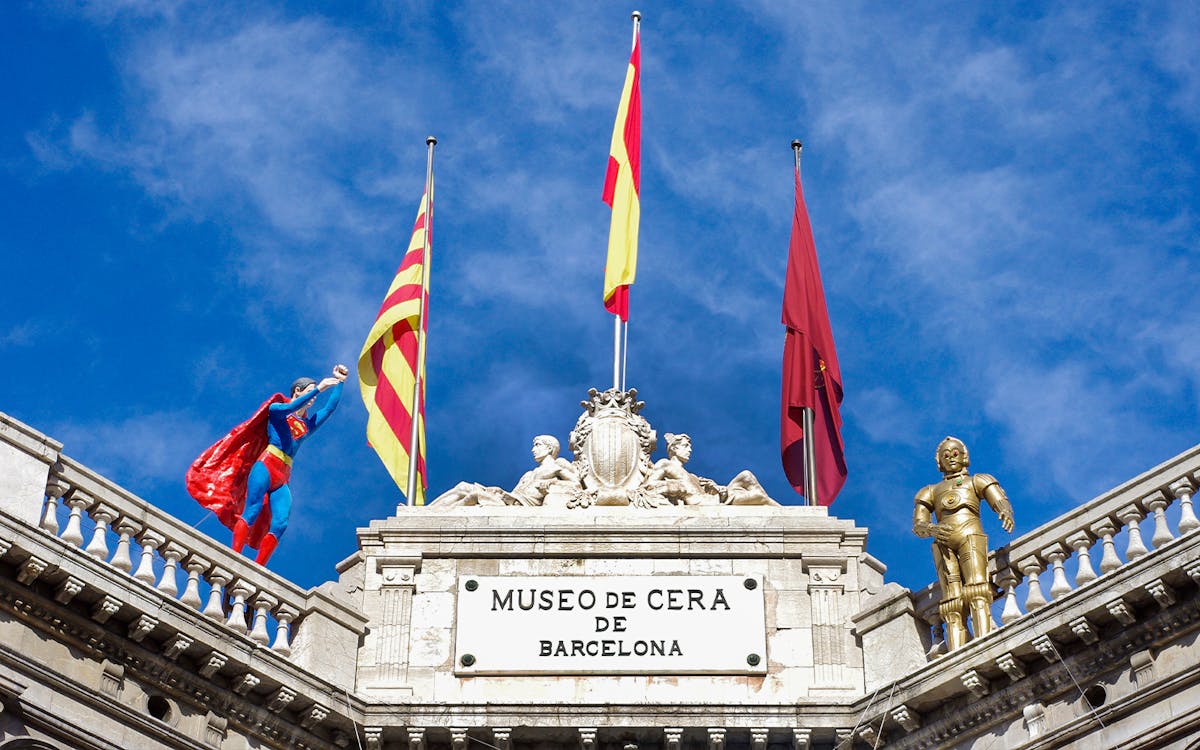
(267, 486)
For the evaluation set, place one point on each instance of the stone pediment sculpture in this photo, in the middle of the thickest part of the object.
(612, 444)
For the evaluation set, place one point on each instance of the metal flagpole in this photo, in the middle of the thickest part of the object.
(616, 351)
(810, 455)
(413, 448)
(624, 352)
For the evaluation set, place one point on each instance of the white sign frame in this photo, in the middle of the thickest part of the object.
(650, 624)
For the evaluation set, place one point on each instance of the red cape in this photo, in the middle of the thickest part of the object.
(217, 479)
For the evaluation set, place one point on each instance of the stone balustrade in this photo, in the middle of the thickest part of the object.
(164, 557)
(158, 550)
(1089, 542)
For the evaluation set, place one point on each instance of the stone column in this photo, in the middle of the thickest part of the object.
(826, 589)
(397, 584)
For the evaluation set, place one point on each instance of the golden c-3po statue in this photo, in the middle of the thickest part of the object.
(960, 551)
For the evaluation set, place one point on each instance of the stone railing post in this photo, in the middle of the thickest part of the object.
(1081, 542)
(1008, 580)
(126, 528)
(150, 541)
(103, 516)
(240, 591)
(172, 554)
(283, 638)
(1059, 587)
(215, 609)
(263, 604)
(1132, 516)
(195, 565)
(1182, 489)
(1157, 504)
(73, 534)
(1106, 530)
(1031, 568)
(54, 490)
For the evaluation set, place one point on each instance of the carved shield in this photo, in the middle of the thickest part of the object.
(612, 450)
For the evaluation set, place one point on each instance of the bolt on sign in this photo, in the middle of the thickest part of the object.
(610, 624)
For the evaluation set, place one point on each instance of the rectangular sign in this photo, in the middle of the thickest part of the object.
(669, 624)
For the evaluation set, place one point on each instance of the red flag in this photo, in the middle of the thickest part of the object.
(811, 376)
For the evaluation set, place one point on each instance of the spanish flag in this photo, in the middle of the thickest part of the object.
(392, 361)
(621, 187)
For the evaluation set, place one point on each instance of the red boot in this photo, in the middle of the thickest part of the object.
(241, 530)
(265, 548)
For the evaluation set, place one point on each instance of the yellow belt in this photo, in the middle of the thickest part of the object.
(277, 453)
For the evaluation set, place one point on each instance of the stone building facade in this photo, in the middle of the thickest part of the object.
(597, 626)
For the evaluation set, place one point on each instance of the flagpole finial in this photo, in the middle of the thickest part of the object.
(636, 15)
(432, 141)
(797, 145)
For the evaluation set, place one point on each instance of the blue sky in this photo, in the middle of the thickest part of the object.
(203, 201)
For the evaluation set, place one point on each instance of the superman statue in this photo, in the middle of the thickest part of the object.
(243, 478)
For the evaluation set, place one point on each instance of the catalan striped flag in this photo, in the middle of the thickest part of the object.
(392, 361)
(621, 187)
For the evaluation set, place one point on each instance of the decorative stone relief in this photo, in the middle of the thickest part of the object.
(280, 699)
(1011, 666)
(1082, 628)
(803, 738)
(976, 683)
(1162, 593)
(215, 729)
(176, 646)
(1035, 719)
(142, 627)
(374, 737)
(612, 444)
(105, 608)
(67, 590)
(587, 738)
(112, 678)
(1121, 611)
(1046, 648)
(213, 664)
(31, 569)
(907, 718)
(1142, 664)
(316, 714)
(245, 683)
(758, 739)
(716, 738)
(416, 738)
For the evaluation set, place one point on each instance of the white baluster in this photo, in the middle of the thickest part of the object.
(217, 579)
(121, 559)
(191, 592)
(1131, 516)
(237, 612)
(74, 531)
(263, 604)
(1106, 530)
(1059, 586)
(1081, 542)
(1034, 599)
(98, 547)
(1157, 504)
(1008, 580)
(150, 541)
(1182, 489)
(284, 617)
(172, 554)
(49, 522)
